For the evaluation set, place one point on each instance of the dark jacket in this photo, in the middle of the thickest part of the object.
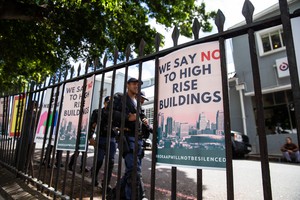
(117, 113)
(103, 123)
(129, 108)
(293, 147)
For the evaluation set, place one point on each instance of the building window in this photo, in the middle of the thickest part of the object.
(150, 114)
(279, 112)
(270, 40)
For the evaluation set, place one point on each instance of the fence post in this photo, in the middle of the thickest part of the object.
(220, 19)
(23, 148)
(248, 10)
(291, 56)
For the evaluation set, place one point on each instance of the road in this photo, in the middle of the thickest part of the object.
(285, 181)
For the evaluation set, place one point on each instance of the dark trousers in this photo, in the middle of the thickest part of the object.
(102, 154)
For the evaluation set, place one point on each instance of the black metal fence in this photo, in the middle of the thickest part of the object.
(18, 152)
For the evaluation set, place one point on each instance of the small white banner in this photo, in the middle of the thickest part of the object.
(282, 66)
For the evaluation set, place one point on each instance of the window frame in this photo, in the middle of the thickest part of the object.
(264, 32)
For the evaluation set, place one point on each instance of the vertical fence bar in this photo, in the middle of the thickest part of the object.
(31, 147)
(134, 185)
(199, 184)
(58, 153)
(18, 130)
(24, 120)
(46, 160)
(96, 147)
(5, 131)
(13, 141)
(56, 137)
(2, 130)
(248, 10)
(175, 36)
(84, 154)
(196, 28)
(23, 138)
(109, 127)
(76, 153)
(68, 152)
(173, 182)
(6, 144)
(155, 121)
(121, 144)
(39, 113)
(229, 171)
(291, 56)
(54, 154)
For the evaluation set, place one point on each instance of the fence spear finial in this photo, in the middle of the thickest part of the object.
(157, 42)
(196, 28)
(104, 61)
(175, 36)
(219, 21)
(72, 71)
(79, 69)
(142, 47)
(87, 66)
(116, 55)
(127, 52)
(248, 10)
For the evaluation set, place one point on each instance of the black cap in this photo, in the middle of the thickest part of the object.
(106, 99)
(144, 96)
(132, 80)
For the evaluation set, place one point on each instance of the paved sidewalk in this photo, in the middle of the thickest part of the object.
(12, 188)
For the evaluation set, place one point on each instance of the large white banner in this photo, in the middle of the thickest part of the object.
(191, 120)
(42, 123)
(69, 118)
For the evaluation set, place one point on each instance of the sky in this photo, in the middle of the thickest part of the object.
(232, 10)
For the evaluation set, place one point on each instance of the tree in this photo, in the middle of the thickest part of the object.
(38, 37)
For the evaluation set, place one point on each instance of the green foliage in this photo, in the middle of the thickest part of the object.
(41, 36)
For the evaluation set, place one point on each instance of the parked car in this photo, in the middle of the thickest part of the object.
(240, 144)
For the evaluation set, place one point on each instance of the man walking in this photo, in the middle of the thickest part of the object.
(130, 116)
(102, 145)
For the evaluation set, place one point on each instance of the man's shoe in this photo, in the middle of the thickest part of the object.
(61, 165)
(108, 189)
(96, 183)
(85, 170)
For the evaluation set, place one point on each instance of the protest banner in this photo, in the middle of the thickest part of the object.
(69, 118)
(18, 110)
(42, 123)
(190, 108)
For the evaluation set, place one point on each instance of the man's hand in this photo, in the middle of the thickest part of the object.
(92, 142)
(145, 121)
(131, 117)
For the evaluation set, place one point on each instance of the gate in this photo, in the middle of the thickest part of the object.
(47, 168)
